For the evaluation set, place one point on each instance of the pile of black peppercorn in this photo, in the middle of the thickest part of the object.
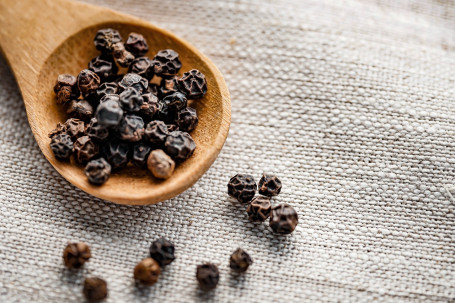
(115, 119)
(283, 217)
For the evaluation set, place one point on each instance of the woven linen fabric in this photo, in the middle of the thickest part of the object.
(351, 103)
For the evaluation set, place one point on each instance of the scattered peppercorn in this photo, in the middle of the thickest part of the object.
(96, 131)
(76, 254)
(88, 82)
(193, 84)
(136, 44)
(141, 152)
(240, 260)
(142, 66)
(149, 106)
(156, 132)
(104, 66)
(176, 101)
(163, 112)
(117, 153)
(160, 164)
(187, 119)
(269, 185)
(259, 209)
(283, 219)
(74, 127)
(134, 81)
(95, 289)
(98, 171)
(131, 100)
(147, 271)
(109, 113)
(179, 145)
(62, 146)
(131, 128)
(162, 251)
(242, 187)
(85, 149)
(80, 109)
(208, 276)
(66, 88)
(105, 40)
(167, 63)
(123, 57)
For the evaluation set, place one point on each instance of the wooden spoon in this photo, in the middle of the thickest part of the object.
(42, 39)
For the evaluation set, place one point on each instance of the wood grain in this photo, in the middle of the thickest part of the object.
(41, 41)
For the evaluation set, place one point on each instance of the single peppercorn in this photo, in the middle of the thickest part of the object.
(193, 84)
(142, 66)
(147, 271)
(74, 127)
(208, 276)
(176, 101)
(131, 128)
(76, 254)
(107, 88)
(259, 209)
(96, 131)
(65, 80)
(136, 44)
(98, 171)
(88, 82)
(123, 57)
(64, 95)
(131, 100)
(104, 66)
(167, 63)
(105, 40)
(62, 146)
(58, 130)
(168, 86)
(85, 149)
(95, 289)
(80, 109)
(66, 88)
(162, 251)
(283, 219)
(187, 119)
(179, 145)
(116, 153)
(156, 132)
(163, 112)
(149, 106)
(109, 113)
(135, 81)
(269, 185)
(141, 152)
(242, 187)
(160, 164)
(240, 260)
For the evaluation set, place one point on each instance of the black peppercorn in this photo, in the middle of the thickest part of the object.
(179, 145)
(104, 66)
(187, 119)
(153, 88)
(96, 131)
(116, 153)
(76, 254)
(107, 88)
(167, 63)
(259, 209)
(85, 149)
(66, 88)
(147, 271)
(131, 128)
(123, 57)
(88, 82)
(80, 109)
(131, 100)
(95, 289)
(176, 101)
(62, 146)
(58, 130)
(269, 185)
(160, 164)
(163, 112)
(105, 40)
(240, 261)
(172, 128)
(135, 81)
(98, 171)
(193, 84)
(168, 86)
(242, 187)
(136, 44)
(141, 152)
(162, 251)
(208, 276)
(109, 113)
(156, 132)
(283, 219)
(74, 127)
(149, 106)
(142, 66)
(108, 97)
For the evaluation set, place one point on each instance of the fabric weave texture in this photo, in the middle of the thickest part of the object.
(351, 103)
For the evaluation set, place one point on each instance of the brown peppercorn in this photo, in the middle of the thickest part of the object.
(135, 81)
(283, 219)
(156, 132)
(95, 289)
(136, 44)
(242, 187)
(240, 261)
(167, 63)
(106, 88)
(88, 82)
(193, 84)
(58, 130)
(104, 66)
(142, 66)
(269, 185)
(259, 209)
(187, 119)
(162, 251)
(64, 95)
(85, 149)
(208, 276)
(65, 80)
(160, 164)
(123, 57)
(76, 254)
(74, 127)
(98, 171)
(66, 88)
(149, 106)
(96, 131)
(80, 109)
(168, 86)
(105, 40)
(147, 271)
(179, 145)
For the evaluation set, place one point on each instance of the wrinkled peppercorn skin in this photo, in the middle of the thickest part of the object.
(88, 82)
(64, 95)
(269, 185)
(179, 145)
(208, 276)
(85, 149)
(283, 219)
(167, 63)
(62, 146)
(131, 100)
(156, 133)
(193, 84)
(141, 152)
(65, 80)
(74, 127)
(98, 171)
(168, 86)
(242, 187)
(66, 88)
(135, 81)
(80, 109)
(103, 66)
(147, 271)
(142, 66)
(105, 39)
(95, 289)
(160, 164)
(131, 128)
(149, 106)
(259, 209)
(187, 119)
(176, 101)
(123, 57)
(109, 113)
(106, 88)
(162, 251)
(116, 153)
(76, 254)
(136, 44)
(97, 132)
(240, 260)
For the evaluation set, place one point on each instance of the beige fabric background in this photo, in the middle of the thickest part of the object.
(350, 102)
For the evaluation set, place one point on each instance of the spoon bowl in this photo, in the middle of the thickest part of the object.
(130, 185)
